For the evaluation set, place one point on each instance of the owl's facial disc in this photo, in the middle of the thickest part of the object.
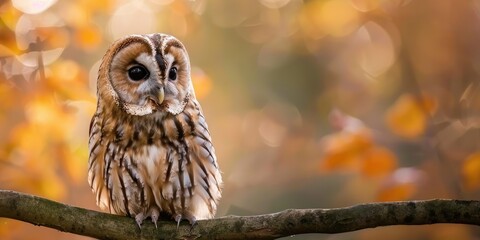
(149, 73)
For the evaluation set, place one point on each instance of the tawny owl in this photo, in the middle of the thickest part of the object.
(150, 148)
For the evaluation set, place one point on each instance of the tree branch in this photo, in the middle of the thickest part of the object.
(44, 212)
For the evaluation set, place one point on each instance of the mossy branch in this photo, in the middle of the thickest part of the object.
(44, 212)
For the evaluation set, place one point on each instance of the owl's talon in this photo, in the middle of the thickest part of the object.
(154, 215)
(192, 220)
(193, 223)
(139, 219)
(178, 219)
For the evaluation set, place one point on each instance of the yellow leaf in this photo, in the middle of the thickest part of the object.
(88, 37)
(65, 70)
(67, 79)
(76, 165)
(48, 117)
(471, 170)
(9, 15)
(99, 5)
(335, 17)
(378, 162)
(310, 21)
(52, 187)
(408, 115)
(339, 18)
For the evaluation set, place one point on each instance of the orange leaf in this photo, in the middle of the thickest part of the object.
(52, 37)
(471, 170)
(408, 115)
(398, 192)
(378, 161)
(8, 227)
(344, 150)
(400, 185)
(201, 83)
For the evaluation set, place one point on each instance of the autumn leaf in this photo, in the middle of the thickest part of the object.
(397, 192)
(400, 185)
(333, 17)
(378, 161)
(344, 150)
(471, 170)
(51, 186)
(75, 165)
(67, 79)
(408, 115)
(88, 37)
(201, 83)
(354, 148)
(8, 227)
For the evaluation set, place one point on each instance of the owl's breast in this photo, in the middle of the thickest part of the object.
(160, 164)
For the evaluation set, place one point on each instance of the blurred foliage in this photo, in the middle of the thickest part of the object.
(320, 103)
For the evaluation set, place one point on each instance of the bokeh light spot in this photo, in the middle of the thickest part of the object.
(33, 6)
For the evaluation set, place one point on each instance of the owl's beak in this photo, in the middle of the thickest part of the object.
(157, 100)
(161, 96)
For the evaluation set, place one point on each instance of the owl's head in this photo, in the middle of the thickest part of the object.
(143, 74)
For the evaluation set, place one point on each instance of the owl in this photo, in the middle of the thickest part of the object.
(151, 153)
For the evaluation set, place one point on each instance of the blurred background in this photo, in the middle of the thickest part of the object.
(311, 104)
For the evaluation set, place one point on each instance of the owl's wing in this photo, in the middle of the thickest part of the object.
(192, 186)
(113, 172)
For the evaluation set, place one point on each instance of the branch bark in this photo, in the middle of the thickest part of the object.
(44, 212)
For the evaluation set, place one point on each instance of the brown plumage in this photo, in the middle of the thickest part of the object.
(150, 148)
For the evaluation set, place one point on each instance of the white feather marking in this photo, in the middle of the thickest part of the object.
(109, 89)
(152, 158)
(169, 59)
(136, 110)
(178, 108)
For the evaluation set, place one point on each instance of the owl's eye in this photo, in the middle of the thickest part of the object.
(172, 75)
(138, 73)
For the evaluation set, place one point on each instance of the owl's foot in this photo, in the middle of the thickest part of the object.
(191, 219)
(139, 219)
(154, 214)
(193, 222)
